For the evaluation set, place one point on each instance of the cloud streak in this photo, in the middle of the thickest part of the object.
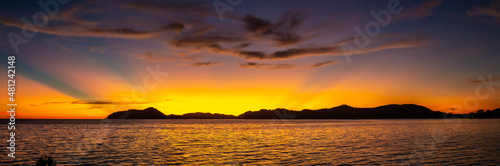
(335, 49)
(266, 66)
(204, 64)
(152, 57)
(492, 10)
(325, 63)
(486, 14)
(423, 10)
(71, 22)
(490, 79)
(89, 102)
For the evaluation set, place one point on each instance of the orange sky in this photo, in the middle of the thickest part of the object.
(85, 65)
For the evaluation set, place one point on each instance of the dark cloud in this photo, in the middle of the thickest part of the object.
(295, 52)
(333, 49)
(204, 36)
(250, 64)
(202, 64)
(325, 63)
(256, 25)
(252, 54)
(209, 40)
(283, 31)
(287, 54)
(269, 66)
(176, 26)
(124, 31)
(285, 38)
(195, 32)
(242, 45)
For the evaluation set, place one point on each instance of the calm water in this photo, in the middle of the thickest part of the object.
(257, 142)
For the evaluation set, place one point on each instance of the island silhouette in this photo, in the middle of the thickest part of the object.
(392, 111)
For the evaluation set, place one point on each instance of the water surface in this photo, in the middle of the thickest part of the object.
(256, 142)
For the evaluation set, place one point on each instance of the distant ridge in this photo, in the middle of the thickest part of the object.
(392, 111)
(405, 111)
(148, 113)
(153, 113)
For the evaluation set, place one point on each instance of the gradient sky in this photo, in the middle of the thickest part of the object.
(93, 58)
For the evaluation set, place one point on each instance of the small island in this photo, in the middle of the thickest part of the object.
(392, 111)
(153, 113)
(148, 113)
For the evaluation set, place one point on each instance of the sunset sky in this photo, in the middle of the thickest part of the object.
(94, 58)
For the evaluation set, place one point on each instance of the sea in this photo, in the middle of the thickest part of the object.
(255, 142)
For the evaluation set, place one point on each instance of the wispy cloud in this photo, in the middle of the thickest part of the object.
(203, 64)
(72, 29)
(425, 9)
(152, 57)
(490, 79)
(334, 49)
(266, 66)
(325, 63)
(402, 43)
(492, 10)
(288, 53)
(71, 22)
(486, 14)
(89, 102)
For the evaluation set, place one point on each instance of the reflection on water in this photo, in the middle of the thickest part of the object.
(261, 142)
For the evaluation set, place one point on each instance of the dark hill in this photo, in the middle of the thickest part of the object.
(393, 111)
(148, 113)
(482, 114)
(153, 113)
(405, 111)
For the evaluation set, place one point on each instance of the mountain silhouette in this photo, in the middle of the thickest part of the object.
(405, 111)
(153, 113)
(482, 114)
(392, 111)
(148, 113)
